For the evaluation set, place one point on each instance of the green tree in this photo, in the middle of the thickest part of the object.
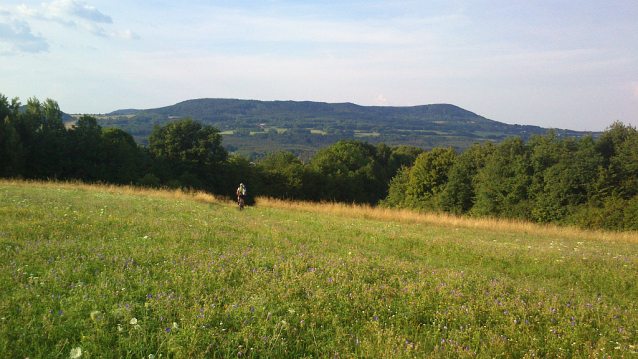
(624, 164)
(123, 157)
(187, 147)
(459, 194)
(429, 176)
(282, 175)
(86, 158)
(610, 141)
(351, 172)
(502, 188)
(11, 147)
(44, 136)
(397, 193)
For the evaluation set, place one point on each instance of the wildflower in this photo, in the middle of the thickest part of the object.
(119, 328)
(133, 321)
(75, 353)
(151, 356)
(175, 326)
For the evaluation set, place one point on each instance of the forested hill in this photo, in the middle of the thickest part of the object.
(257, 127)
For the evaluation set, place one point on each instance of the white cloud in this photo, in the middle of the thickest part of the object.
(75, 14)
(380, 100)
(126, 35)
(81, 10)
(17, 36)
(61, 10)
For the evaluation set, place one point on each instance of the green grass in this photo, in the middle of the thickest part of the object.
(124, 275)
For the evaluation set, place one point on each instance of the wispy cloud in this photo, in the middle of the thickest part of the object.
(16, 36)
(75, 14)
(63, 11)
(126, 35)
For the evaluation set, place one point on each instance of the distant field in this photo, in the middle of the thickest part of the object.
(121, 273)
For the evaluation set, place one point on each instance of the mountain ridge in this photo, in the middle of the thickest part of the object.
(254, 127)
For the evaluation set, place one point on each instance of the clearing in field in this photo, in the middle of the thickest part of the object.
(123, 273)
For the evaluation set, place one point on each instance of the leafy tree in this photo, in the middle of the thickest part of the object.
(44, 135)
(624, 164)
(11, 147)
(459, 194)
(123, 157)
(611, 140)
(393, 158)
(85, 151)
(429, 175)
(351, 172)
(502, 188)
(188, 147)
(404, 156)
(397, 193)
(282, 175)
(566, 183)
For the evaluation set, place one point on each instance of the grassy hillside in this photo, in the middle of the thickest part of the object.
(117, 272)
(254, 128)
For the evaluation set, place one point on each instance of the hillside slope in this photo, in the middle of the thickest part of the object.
(263, 126)
(182, 276)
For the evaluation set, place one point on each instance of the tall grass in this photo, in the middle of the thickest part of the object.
(447, 220)
(101, 271)
(117, 189)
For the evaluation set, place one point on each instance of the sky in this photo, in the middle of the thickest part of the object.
(561, 64)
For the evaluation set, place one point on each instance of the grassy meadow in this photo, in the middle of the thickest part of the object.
(115, 272)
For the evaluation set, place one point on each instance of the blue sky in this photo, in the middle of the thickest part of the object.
(563, 64)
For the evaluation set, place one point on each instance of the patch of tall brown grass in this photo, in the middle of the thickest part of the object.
(447, 220)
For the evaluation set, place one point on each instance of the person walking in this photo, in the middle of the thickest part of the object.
(241, 194)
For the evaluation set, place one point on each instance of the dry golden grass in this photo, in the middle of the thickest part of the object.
(447, 220)
(120, 189)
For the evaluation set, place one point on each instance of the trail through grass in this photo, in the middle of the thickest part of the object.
(138, 275)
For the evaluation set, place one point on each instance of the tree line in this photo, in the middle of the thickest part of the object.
(588, 182)
(35, 144)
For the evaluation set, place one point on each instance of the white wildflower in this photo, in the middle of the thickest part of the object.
(75, 353)
(133, 321)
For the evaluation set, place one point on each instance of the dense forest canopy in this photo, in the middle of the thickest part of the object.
(591, 182)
